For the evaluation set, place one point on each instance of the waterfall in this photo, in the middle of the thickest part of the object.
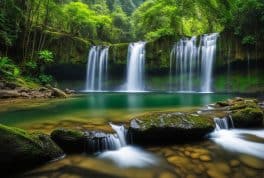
(223, 123)
(121, 133)
(135, 66)
(190, 62)
(185, 51)
(208, 54)
(103, 141)
(96, 68)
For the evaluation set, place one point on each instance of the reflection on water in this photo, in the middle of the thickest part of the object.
(104, 106)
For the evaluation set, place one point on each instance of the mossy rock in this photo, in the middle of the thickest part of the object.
(245, 112)
(77, 141)
(169, 127)
(247, 117)
(22, 150)
(71, 141)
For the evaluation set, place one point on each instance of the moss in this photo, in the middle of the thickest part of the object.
(248, 117)
(179, 120)
(20, 149)
(118, 53)
(71, 141)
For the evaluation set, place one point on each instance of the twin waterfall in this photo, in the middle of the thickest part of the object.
(96, 68)
(191, 66)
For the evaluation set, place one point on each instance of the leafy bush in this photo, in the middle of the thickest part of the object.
(8, 68)
(248, 40)
(45, 79)
(45, 56)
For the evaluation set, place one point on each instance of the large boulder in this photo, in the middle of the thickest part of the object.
(168, 127)
(77, 141)
(21, 150)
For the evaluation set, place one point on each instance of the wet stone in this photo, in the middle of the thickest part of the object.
(205, 158)
(252, 162)
(195, 155)
(234, 163)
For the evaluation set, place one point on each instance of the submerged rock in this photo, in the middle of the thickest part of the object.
(21, 150)
(169, 127)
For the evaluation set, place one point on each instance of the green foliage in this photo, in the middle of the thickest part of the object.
(46, 56)
(248, 40)
(8, 68)
(45, 79)
(247, 21)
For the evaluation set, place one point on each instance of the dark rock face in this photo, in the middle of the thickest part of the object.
(71, 141)
(21, 150)
(171, 127)
(76, 141)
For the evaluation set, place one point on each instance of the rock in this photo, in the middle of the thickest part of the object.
(58, 93)
(9, 94)
(215, 174)
(76, 141)
(252, 162)
(68, 91)
(22, 150)
(234, 163)
(10, 85)
(205, 158)
(71, 141)
(247, 117)
(168, 127)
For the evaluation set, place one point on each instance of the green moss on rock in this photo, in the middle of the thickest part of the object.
(69, 140)
(247, 117)
(169, 127)
(20, 149)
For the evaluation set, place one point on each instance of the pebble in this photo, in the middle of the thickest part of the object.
(252, 162)
(234, 163)
(195, 155)
(205, 158)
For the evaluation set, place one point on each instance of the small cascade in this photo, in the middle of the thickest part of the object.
(190, 63)
(135, 67)
(121, 133)
(99, 141)
(96, 68)
(223, 123)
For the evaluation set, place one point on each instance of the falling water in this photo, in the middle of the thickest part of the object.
(191, 62)
(238, 140)
(208, 54)
(135, 67)
(128, 156)
(223, 123)
(185, 50)
(96, 68)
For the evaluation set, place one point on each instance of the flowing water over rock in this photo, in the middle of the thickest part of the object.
(127, 156)
(191, 65)
(97, 68)
(238, 140)
(135, 67)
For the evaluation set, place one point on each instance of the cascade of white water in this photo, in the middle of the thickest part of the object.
(208, 54)
(135, 66)
(190, 62)
(223, 123)
(96, 68)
